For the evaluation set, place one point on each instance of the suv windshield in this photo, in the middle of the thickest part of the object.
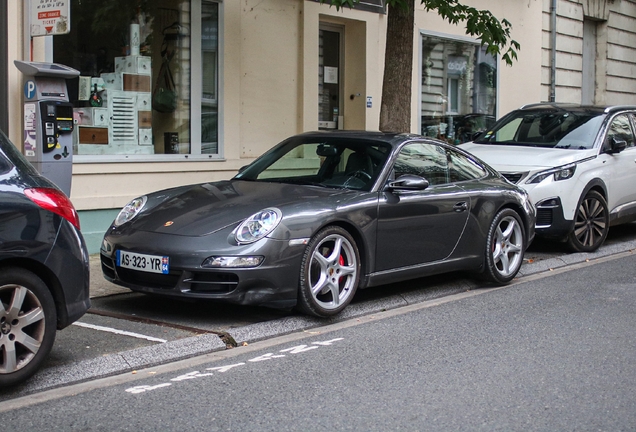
(550, 128)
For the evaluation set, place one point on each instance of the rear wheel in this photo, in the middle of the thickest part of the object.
(27, 324)
(591, 223)
(504, 247)
(329, 272)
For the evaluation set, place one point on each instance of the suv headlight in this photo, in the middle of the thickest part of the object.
(560, 173)
(257, 226)
(130, 210)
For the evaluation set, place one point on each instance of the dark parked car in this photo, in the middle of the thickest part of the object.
(44, 271)
(319, 216)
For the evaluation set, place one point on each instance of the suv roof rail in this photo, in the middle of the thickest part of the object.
(550, 104)
(613, 108)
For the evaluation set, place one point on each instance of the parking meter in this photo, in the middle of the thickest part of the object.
(48, 120)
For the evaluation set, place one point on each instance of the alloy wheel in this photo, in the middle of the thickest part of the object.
(590, 224)
(22, 327)
(507, 247)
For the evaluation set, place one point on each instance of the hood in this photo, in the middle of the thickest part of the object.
(202, 209)
(507, 158)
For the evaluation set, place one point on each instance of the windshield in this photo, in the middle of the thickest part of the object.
(333, 162)
(550, 128)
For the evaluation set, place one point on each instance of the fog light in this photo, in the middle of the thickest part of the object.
(233, 261)
(552, 202)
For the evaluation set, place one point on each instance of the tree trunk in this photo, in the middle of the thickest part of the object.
(395, 111)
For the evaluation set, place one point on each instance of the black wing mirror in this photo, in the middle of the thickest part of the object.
(408, 182)
(616, 145)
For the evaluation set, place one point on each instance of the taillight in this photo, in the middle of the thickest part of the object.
(55, 201)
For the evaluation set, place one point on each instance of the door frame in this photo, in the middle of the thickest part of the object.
(340, 29)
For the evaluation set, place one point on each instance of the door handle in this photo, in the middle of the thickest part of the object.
(460, 207)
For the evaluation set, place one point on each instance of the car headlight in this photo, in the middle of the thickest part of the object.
(130, 210)
(258, 225)
(560, 173)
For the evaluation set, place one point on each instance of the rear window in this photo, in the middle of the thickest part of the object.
(11, 157)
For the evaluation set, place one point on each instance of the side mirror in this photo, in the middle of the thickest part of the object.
(616, 145)
(476, 135)
(408, 182)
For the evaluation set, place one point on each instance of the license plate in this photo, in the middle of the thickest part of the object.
(143, 262)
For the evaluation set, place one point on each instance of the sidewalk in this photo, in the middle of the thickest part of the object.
(100, 287)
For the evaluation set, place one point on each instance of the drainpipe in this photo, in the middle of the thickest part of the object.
(553, 34)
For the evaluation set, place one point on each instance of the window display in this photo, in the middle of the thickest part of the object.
(133, 95)
(459, 89)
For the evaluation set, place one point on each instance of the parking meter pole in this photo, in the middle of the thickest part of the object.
(48, 120)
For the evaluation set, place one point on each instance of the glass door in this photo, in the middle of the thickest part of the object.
(330, 101)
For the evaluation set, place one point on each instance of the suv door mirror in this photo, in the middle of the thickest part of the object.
(616, 145)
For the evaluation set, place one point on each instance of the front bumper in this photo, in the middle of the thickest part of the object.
(550, 220)
(274, 283)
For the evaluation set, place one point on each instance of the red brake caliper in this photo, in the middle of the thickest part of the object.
(341, 262)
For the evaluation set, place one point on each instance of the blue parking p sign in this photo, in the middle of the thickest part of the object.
(29, 89)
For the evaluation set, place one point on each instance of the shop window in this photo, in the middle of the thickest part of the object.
(459, 91)
(138, 93)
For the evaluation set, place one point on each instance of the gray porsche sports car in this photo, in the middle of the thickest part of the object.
(319, 216)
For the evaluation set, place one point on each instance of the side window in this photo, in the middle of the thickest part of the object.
(509, 131)
(621, 129)
(632, 117)
(424, 160)
(463, 168)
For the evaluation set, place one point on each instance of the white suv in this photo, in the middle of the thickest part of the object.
(578, 164)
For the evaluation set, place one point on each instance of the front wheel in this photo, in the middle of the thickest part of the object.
(329, 272)
(591, 224)
(27, 324)
(505, 247)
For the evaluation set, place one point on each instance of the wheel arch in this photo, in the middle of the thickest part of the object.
(597, 185)
(363, 247)
(50, 280)
(528, 226)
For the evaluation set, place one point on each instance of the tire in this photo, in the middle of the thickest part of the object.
(28, 322)
(329, 273)
(591, 224)
(505, 246)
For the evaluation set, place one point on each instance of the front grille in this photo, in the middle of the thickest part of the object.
(544, 217)
(149, 280)
(514, 177)
(212, 282)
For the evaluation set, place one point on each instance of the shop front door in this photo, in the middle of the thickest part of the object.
(330, 63)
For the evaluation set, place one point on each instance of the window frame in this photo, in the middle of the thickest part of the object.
(196, 99)
(449, 38)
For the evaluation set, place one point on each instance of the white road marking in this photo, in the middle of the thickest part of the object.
(120, 332)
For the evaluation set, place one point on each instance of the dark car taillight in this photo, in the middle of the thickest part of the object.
(55, 201)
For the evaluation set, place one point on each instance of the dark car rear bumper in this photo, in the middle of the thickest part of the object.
(68, 259)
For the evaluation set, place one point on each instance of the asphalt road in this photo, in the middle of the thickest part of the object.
(127, 331)
(553, 351)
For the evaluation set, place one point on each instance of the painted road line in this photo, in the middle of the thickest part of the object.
(119, 332)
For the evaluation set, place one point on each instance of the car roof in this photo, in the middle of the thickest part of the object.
(600, 109)
(391, 138)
